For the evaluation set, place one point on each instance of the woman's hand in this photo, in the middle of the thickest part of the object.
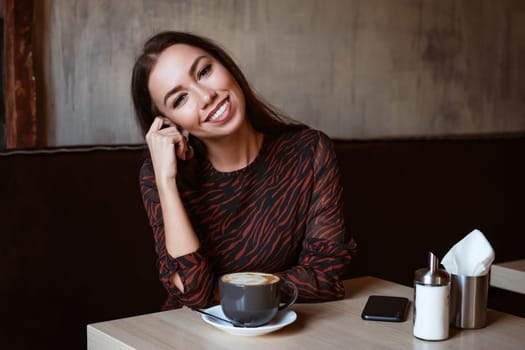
(165, 143)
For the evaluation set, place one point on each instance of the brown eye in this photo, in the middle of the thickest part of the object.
(204, 71)
(179, 100)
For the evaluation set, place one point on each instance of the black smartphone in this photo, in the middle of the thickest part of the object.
(385, 308)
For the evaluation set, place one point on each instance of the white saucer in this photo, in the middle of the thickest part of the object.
(282, 319)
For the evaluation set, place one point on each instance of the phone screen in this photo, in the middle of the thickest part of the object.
(385, 308)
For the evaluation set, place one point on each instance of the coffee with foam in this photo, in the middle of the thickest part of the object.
(250, 278)
(253, 298)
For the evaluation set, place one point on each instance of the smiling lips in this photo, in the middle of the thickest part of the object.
(220, 112)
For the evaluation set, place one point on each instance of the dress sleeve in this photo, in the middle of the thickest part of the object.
(193, 268)
(327, 248)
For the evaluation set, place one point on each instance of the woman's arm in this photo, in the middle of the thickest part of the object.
(193, 269)
(327, 248)
(173, 232)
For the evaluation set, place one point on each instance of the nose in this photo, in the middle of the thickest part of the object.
(206, 96)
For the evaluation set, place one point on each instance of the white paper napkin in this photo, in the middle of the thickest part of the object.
(472, 256)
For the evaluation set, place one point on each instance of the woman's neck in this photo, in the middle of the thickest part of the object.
(236, 151)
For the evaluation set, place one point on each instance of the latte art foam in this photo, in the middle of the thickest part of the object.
(250, 278)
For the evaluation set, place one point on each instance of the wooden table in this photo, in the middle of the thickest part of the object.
(509, 275)
(330, 325)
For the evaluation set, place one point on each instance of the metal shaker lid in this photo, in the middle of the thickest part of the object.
(433, 276)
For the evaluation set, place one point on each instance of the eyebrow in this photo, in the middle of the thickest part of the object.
(191, 72)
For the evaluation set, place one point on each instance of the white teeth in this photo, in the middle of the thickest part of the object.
(220, 111)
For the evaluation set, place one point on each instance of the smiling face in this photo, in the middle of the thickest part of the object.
(197, 93)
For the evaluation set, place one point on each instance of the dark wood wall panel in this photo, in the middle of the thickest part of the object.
(20, 95)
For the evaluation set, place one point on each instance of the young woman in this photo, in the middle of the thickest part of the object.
(230, 185)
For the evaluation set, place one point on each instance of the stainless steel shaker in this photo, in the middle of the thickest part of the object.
(431, 301)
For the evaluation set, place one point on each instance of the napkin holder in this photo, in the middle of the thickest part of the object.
(468, 300)
(468, 263)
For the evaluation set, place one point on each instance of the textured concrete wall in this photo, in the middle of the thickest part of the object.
(353, 68)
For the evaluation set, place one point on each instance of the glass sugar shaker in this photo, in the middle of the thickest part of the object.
(431, 301)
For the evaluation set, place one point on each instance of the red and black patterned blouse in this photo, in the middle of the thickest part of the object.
(283, 214)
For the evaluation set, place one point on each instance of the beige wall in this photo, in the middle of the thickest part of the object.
(352, 68)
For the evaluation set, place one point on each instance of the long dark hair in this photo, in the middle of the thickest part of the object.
(262, 117)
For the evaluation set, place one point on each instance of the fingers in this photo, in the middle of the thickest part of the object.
(157, 124)
(159, 135)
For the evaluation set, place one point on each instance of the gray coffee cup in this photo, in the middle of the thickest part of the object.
(468, 301)
(252, 298)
